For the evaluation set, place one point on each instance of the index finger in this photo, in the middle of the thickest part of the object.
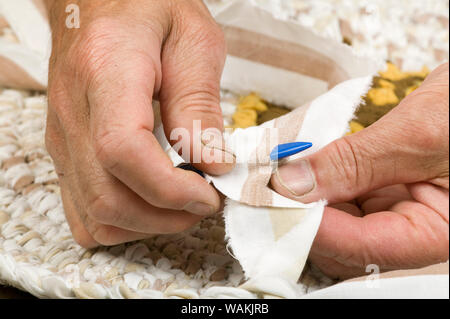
(121, 124)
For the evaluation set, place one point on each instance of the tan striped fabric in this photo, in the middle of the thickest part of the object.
(256, 191)
(285, 55)
(14, 76)
(3, 23)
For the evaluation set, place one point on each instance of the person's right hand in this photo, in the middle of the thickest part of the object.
(117, 183)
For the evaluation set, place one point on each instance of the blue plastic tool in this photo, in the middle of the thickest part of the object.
(285, 150)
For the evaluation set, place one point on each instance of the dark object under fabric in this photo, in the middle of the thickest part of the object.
(189, 167)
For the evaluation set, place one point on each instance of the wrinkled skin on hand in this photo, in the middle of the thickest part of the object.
(387, 185)
(117, 183)
(388, 188)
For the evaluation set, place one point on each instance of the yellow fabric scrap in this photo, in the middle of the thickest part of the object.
(252, 102)
(355, 127)
(393, 73)
(382, 96)
(247, 111)
(386, 84)
(245, 118)
(412, 88)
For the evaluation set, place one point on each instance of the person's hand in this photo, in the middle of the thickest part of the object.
(388, 187)
(117, 183)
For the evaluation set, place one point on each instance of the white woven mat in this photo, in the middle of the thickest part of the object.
(410, 33)
(38, 254)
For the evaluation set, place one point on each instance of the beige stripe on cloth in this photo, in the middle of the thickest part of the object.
(438, 269)
(3, 23)
(15, 77)
(255, 190)
(281, 54)
(284, 219)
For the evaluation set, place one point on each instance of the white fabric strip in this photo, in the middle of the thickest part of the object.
(273, 84)
(325, 121)
(272, 243)
(32, 53)
(411, 287)
(28, 24)
(33, 64)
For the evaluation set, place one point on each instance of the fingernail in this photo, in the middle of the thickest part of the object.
(297, 178)
(212, 139)
(198, 208)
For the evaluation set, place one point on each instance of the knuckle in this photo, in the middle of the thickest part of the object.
(435, 140)
(96, 41)
(108, 146)
(81, 235)
(347, 160)
(201, 30)
(163, 197)
(202, 100)
(83, 239)
(94, 51)
(167, 193)
(436, 236)
(102, 209)
(215, 39)
(430, 132)
(435, 130)
(214, 42)
(343, 159)
(178, 225)
(104, 235)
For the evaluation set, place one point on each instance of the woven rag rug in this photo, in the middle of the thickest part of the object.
(320, 80)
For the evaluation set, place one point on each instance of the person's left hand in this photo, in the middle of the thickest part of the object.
(388, 187)
(397, 227)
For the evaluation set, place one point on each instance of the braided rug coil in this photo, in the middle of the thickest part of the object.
(39, 255)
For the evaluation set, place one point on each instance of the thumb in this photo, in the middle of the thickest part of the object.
(192, 62)
(391, 151)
